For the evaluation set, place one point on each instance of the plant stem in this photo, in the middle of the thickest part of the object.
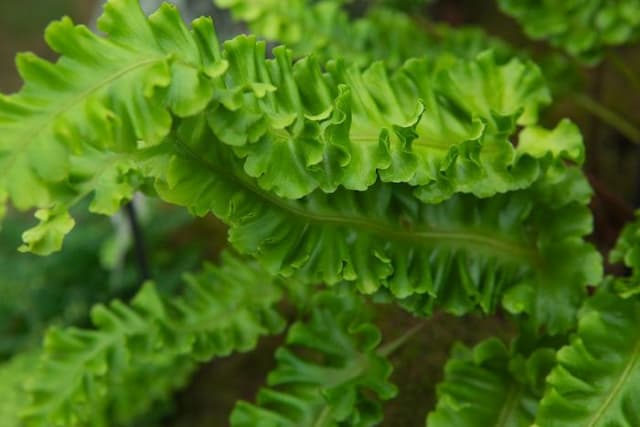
(608, 116)
(624, 69)
(392, 346)
(138, 242)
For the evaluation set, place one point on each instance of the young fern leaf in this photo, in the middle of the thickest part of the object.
(114, 93)
(490, 386)
(459, 254)
(596, 381)
(150, 346)
(583, 28)
(332, 384)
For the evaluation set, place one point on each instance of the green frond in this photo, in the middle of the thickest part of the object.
(60, 289)
(627, 248)
(112, 93)
(139, 353)
(627, 251)
(489, 385)
(441, 122)
(460, 254)
(467, 42)
(596, 381)
(324, 29)
(584, 28)
(332, 380)
(12, 377)
(443, 125)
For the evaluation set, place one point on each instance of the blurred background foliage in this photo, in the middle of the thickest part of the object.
(100, 260)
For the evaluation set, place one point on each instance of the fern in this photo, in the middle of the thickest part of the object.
(324, 29)
(627, 247)
(325, 133)
(64, 132)
(418, 125)
(410, 165)
(341, 128)
(149, 348)
(584, 27)
(597, 377)
(459, 254)
(35, 292)
(421, 125)
(330, 386)
(12, 376)
(490, 386)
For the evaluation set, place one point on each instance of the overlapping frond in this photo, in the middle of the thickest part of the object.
(444, 125)
(432, 184)
(596, 381)
(490, 386)
(582, 27)
(440, 122)
(459, 254)
(139, 353)
(112, 93)
(332, 382)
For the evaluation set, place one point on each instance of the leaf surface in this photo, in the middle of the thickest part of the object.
(597, 377)
(461, 254)
(111, 93)
(139, 353)
(490, 386)
(334, 384)
(584, 28)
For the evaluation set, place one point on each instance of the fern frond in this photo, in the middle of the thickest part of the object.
(627, 247)
(584, 28)
(104, 94)
(330, 384)
(148, 348)
(13, 374)
(459, 254)
(444, 125)
(324, 29)
(627, 252)
(596, 381)
(297, 127)
(490, 386)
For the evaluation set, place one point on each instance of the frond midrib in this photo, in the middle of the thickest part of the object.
(466, 238)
